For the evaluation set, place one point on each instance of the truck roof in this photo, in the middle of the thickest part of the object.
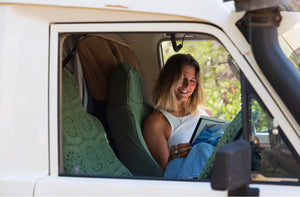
(198, 9)
(215, 12)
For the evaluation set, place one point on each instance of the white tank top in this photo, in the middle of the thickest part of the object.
(182, 128)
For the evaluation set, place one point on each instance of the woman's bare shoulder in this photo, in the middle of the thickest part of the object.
(155, 118)
(156, 121)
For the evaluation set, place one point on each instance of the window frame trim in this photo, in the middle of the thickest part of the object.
(107, 27)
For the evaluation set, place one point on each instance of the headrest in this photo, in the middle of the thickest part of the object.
(126, 86)
(99, 56)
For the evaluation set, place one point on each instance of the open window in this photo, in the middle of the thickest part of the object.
(97, 71)
(78, 49)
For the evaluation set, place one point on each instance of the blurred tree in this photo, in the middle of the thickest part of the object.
(295, 5)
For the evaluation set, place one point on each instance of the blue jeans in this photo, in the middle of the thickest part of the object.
(191, 166)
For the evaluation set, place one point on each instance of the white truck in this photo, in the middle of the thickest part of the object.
(53, 51)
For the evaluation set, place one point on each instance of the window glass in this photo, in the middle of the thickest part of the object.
(220, 75)
(271, 155)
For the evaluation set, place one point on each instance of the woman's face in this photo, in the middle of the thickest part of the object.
(185, 87)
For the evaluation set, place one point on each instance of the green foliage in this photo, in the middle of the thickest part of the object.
(222, 87)
(260, 120)
(295, 61)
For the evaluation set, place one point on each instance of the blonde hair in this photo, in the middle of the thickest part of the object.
(163, 93)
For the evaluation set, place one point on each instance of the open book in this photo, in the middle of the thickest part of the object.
(211, 129)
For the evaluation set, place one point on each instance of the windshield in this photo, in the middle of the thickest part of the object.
(290, 43)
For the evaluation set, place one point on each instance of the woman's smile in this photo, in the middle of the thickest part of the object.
(183, 91)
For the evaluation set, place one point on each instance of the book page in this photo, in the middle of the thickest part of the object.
(204, 122)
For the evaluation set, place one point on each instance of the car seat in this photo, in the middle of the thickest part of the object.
(85, 150)
(126, 112)
(232, 132)
(92, 58)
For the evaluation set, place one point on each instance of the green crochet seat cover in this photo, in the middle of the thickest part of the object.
(85, 148)
(231, 133)
(126, 112)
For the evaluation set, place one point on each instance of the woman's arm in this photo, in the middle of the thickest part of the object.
(156, 131)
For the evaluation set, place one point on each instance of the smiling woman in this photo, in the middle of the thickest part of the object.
(181, 73)
(178, 97)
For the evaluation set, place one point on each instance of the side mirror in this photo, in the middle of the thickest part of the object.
(232, 169)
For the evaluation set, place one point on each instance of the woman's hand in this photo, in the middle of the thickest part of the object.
(180, 150)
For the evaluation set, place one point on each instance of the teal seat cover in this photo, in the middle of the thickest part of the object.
(85, 148)
(230, 134)
(126, 112)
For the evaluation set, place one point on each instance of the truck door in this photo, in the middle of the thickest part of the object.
(263, 128)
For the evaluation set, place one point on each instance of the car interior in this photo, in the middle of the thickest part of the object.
(110, 78)
(106, 89)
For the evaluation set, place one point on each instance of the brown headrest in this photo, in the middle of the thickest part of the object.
(99, 55)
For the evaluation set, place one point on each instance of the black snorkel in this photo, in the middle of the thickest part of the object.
(259, 26)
